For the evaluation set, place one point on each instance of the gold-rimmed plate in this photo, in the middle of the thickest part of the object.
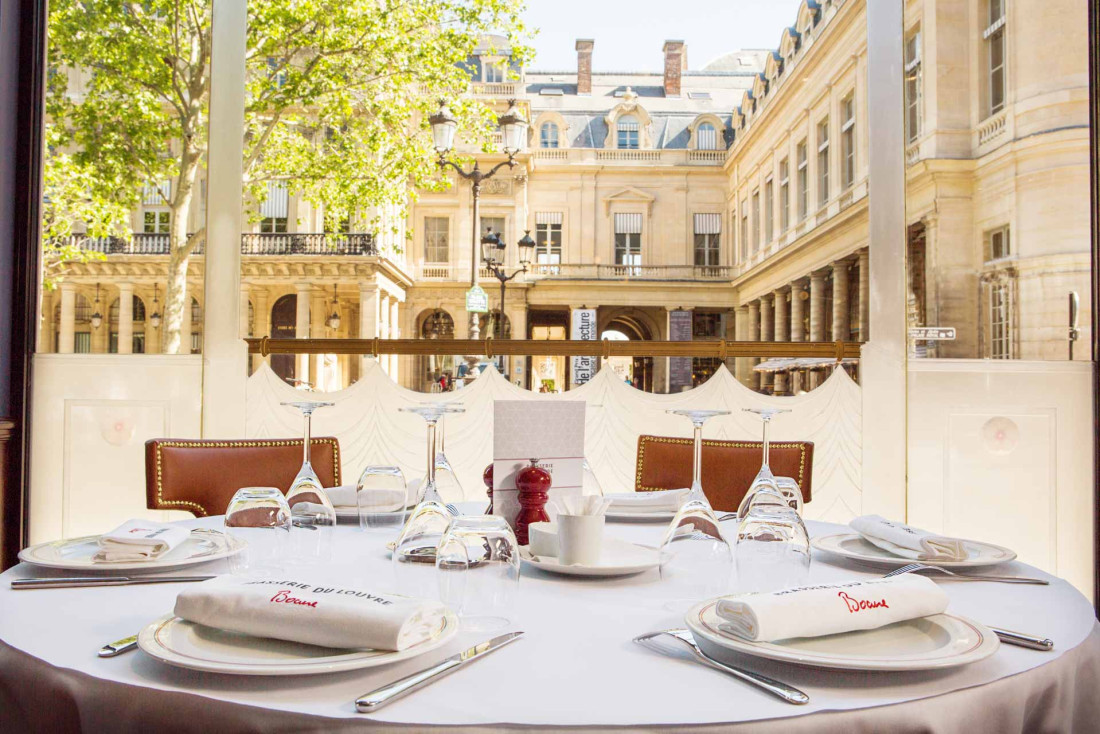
(75, 554)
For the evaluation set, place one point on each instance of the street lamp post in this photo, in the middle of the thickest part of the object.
(492, 254)
(514, 133)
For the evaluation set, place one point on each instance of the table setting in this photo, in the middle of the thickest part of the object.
(647, 611)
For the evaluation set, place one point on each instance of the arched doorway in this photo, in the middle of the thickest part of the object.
(284, 325)
(637, 370)
(436, 324)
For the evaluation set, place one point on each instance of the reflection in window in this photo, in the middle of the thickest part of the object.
(803, 182)
(548, 135)
(548, 238)
(1000, 327)
(784, 194)
(997, 244)
(156, 221)
(912, 86)
(628, 240)
(436, 239)
(744, 230)
(769, 212)
(273, 211)
(706, 137)
(708, 228)
(847, 142)
(994, 36)
(756, 220)
(493, 72)
(626, 130)
(823, 162)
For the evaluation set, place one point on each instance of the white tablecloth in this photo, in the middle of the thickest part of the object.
(577, 665)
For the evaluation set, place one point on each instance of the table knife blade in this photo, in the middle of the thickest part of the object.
(118, 647)
(378, 698)
(70, 582)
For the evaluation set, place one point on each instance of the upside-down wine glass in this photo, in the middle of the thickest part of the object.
(696, 560)
(772, 549)
(446, 481)
(764, 480)
(311, 511)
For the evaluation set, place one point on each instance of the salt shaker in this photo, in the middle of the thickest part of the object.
(487, 478)
(533, 483)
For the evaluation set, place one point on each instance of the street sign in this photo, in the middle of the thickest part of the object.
(933, 333)
(477, 300)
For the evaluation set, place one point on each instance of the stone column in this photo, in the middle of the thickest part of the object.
(782, 334)
(301, 329)
(798, 312)
(125, 318)
(840, 301)
(395, 333)
(753, 377)
(368, 317)
(66, 339)
(767, 334)
(318, 314)
(742, 365)
(864, 295)
(262, 324)
(185, 324)
(242, 315)
(384, 327)
(817, 306)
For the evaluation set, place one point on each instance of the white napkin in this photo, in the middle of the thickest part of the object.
(815, 611)
(377, 500)
(139, 540)
(908, 542)
(665, 500)
(299, 611)
(588, 505)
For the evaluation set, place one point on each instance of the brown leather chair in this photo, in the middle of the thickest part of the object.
(201, 476)
(728, 466)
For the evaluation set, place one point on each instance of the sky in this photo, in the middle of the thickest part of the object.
(629, 34)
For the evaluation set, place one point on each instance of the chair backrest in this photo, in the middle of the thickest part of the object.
(728, 466)
(201, 476)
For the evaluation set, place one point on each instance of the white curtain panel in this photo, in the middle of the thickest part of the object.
(372, 431)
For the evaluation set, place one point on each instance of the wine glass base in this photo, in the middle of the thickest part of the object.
(483, 624)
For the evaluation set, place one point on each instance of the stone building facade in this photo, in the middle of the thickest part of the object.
(725, 202)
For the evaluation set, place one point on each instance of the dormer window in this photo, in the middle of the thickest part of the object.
(548, 135)
(706, 137)
(492, 71)
(626, 133)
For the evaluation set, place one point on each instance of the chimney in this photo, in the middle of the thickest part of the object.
(584, 65)
(675, 65)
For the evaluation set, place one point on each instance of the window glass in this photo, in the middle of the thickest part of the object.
(548, 135)
(803, 182)
(847, 142)
(548, 238)
(436, 239)
(913, 86)
(823, 162)
(707, 239)
(784, 195)
(628, 239)
(769, 212)
(706, 137)
(626, 129)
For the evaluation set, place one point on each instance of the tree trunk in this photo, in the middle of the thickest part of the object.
(180, 246)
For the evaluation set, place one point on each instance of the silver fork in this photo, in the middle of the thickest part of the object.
(453, 510)
(788, 693)
(915, 567)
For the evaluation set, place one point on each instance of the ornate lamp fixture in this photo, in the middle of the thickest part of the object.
(154, 318)
(97, 317)
(334, 320)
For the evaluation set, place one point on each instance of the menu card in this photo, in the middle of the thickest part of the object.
(552, 432)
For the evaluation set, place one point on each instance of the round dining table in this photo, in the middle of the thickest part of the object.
(575, 668)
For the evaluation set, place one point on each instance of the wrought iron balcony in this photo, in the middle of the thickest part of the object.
(569, 271)
(251, 244)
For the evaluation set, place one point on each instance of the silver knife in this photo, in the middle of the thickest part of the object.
(69, 582)
(1021, 640)
(118, 647)
(376, 699)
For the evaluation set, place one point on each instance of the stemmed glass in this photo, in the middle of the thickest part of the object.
(696, 559)
(260, 517)
(446, 481)
(772, 549)
(310, 507)
(764, 480)
(477, 565)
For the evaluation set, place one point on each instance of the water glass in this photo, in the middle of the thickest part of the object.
(260, 517)
(413, 560)
(380, 497)
(772, 549)
(477, 565)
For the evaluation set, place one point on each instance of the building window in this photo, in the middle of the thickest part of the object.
(769, 212)
(744, 230)
(628, 239)
(994, 37)
(276, 71)
(706, 137)
(493, 71)
(784, 194)
(82, 342)
(156, 221)
(196, 343)
(626, 133)
(138, 343)
(823, 162)
(998, 244)
(548, 135)
(847, 142)
(495, 224)
(437, 239)
(1000, 321)
(708, 230)
(548, 238)
(913, 90)
(803, 182)
(273, 211)
(756, 220)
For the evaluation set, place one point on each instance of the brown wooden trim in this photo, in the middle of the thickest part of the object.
(1094, 198)
(555, 348)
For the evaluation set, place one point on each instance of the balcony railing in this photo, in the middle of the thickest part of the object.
(567, 271)
(251, 244)
(615, 156)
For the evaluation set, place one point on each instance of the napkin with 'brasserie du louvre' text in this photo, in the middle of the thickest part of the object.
(139, 540)
(908, 542)
(829, 609)
(664, 500)
(376, 500)
(316, 614)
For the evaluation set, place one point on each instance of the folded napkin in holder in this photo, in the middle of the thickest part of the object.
(908, 542)
(298, 611)
(139, 540)
(374, 500)
(829, 609)
(664, 500)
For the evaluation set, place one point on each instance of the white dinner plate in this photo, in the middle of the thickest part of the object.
(854, 547)
(75, 554)
(188, 645)
(617, 558)
(929, 643)
(628, 516)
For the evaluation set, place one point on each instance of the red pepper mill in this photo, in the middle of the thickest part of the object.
(487, 478)
(533, 483)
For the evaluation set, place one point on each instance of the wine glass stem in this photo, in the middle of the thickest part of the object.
(431, 452)
(306, 440)
(442, 434)
(697, 457)
(765, 441)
